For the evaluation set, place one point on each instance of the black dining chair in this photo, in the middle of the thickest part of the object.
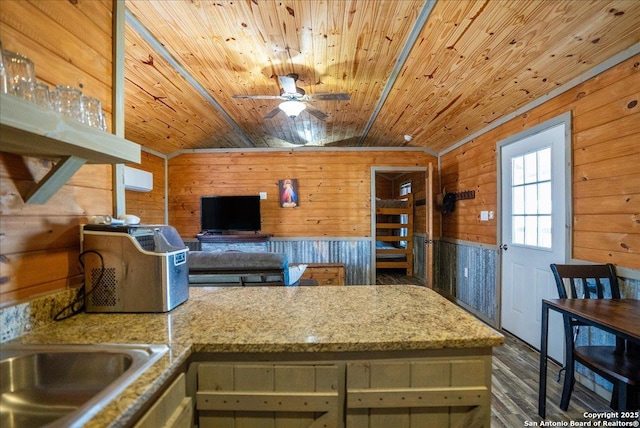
(619, 364)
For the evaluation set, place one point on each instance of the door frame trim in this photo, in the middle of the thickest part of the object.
(566, 119)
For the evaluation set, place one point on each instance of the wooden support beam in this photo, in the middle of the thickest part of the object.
(416, 397)
(54, 180)
(267, 401)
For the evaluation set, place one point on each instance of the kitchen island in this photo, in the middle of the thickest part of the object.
(375, 343)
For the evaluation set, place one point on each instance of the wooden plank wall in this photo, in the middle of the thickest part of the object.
(70, 43)
(384, 187)
(606, 177)
(334, 187)
(149, 206)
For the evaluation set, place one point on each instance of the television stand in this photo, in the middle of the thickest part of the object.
(245, 242)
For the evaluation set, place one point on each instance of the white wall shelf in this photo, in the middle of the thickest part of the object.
(29, 130)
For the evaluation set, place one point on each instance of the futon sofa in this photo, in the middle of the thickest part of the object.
(241, 268)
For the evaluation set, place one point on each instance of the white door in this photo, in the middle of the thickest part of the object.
(534, 186)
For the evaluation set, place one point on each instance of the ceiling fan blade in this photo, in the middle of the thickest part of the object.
(258, 97)
(330, 97)
(272, 113)
(317, 113)
(288, 84)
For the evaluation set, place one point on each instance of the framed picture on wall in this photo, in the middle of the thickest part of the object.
(288, 190)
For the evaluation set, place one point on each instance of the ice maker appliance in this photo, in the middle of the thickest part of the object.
(134, 268)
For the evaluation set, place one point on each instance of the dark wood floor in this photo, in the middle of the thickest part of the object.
(516, 368)
(395, 276)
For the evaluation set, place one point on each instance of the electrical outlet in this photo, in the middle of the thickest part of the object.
(484, 215)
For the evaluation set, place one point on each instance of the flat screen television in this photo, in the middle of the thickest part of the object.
(219, 214)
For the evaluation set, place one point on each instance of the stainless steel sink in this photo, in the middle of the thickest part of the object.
(66, 385)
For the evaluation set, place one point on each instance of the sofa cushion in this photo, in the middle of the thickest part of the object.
(205, 260)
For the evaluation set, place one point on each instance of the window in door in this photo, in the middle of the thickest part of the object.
(531, 199)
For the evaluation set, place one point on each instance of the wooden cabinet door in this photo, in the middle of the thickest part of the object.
(172, 410)
(419, 393)
(270, 395)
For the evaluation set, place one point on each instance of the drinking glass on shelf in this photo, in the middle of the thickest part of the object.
(42, 95)
(53, 101)
(3, 73)
(92, 111)
(25, 90)
(69, 102)
(21, 74)
(103, 122)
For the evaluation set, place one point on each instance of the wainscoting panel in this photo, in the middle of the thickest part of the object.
(354, 254)
(629, 289)
(467, 273)
(419, 257)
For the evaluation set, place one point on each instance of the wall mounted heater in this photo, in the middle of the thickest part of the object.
(137, 180)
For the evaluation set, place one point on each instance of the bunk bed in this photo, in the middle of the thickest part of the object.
(394, 234)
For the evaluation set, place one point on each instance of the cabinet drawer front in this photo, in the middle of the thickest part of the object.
(330, 274)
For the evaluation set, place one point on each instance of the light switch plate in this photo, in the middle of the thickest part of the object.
(484, 215)
(263, 195)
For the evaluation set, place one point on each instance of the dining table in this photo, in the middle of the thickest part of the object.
(620, 317)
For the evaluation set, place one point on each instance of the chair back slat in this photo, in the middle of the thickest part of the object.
(586, 281)
(599, 289)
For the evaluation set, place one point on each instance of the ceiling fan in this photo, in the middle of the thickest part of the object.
(295, 99)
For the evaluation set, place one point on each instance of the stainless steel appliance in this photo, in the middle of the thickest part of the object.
(134, 268)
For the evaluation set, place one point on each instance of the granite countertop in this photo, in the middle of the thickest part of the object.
(270, 320)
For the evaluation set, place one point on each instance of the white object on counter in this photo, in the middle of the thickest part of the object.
(129, 219)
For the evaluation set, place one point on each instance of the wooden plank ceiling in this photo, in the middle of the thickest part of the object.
(470, 64)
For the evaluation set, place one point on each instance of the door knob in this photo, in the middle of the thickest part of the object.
(504, 247)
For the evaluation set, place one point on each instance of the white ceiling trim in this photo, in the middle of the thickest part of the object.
(305, 149)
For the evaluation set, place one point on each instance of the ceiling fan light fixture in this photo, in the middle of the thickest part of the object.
(292, 108)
